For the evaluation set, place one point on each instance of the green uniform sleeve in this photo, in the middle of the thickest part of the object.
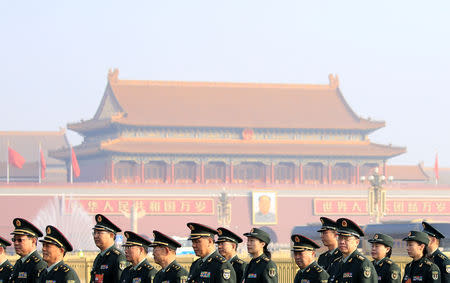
(434, 275)
(270, 274)
(394, 274)
(71, 277)
(121, 264)
(368, 273)
(323, 276)
(227, 273)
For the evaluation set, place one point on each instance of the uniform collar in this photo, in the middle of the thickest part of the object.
(380, 261)
(168, 266)
(53, 265)
(349, 256)
(206, 257)
(303, 270)
(137, 265)
(23, 259)
(107, 250)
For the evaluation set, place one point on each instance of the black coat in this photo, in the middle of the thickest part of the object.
(60, 273)
(143, 273)
(107, 268)
(422, 270)
(216, 269)
(387, 271)
(442, 261)
(5, 271)
(313, 274)
(326, 258)
(239, 267)
(174, 273)
(29, 270)
(261, 269)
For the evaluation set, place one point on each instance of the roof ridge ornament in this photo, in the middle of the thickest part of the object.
(113, 75)
(334, 80)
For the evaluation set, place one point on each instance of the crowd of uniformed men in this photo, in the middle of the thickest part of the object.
(341, 263)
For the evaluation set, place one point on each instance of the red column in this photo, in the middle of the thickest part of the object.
(231, 173)
(357, 174)
(385, 169)
(301, 173)
(142, 172)
(202, 173)
(112, 172)
(272, 173)
(172, 173)
(330, 175)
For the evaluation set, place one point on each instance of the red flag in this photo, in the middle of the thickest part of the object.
(436, 167)
(75, 167)
(14, 158)
(43, 164)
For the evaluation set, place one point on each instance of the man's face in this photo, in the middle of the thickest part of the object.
(304, 258)
(23, 244)
(347, 244)
(51, 253)
(201, 246)
(159, 253)
(226, 248)
(264, 204)
(414, 249)
(133, 253)
(328, 237)
(379, 251)
(103, 239)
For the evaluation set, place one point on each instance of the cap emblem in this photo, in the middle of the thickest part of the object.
(376, 236)
(18, 223)
(191, 227)
(344, 223)
(99, 218)
(219, 232)
(49, 231)
(297, 239)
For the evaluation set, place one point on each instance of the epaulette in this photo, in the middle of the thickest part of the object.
(116, 251)
(318, 269)
(240, 261)
(442, 256)
(148, 266)
(428, 262)
(35, 258)
(176, 267)
(65, 267)
(360, 257)
(220, 258)
(388, 261)
(337, 259)
(264, 257)
(336, 251)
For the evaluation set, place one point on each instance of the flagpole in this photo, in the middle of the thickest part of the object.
(7, 163)
(39, 158)
(71, 166)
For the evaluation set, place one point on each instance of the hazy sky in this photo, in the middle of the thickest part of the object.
(392, 57)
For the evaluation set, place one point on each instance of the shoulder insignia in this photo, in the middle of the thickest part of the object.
(240, 261)
(272, 272)
(122, 265)
(435, 274)
(116, 251)
(428, 262)
(394, 275)
(337, 259)
(360, 257)
(265, 258)
(176, 267)
(388, 261)
(108, 253)
(336, 252)
(148, 266)
(367, 272)
(442, 256)
(35, 259)
(226, 274)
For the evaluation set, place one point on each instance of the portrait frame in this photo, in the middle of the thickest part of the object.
(270, 217)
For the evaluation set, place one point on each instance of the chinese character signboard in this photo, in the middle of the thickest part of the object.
(151, 206)
(359, 206)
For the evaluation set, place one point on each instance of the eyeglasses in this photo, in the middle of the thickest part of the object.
(98, 232)
(18, 240)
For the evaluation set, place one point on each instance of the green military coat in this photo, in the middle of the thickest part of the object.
(326, 258)
(60, 273)
(261, 269)
(357, 268)
(239, 267)
(422, 270)
(29, 270)
(5, 271)
(215, 269)
(174, 273)
(442, 261)
(108, 267)
(143, 273)
(387, 271)
(312, 274)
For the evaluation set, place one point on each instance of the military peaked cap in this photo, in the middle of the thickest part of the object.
(259, 234)
(226, 235)
(163, 240)
(55, 237)
(4, 242)
(327, 224)
(134, 239)
(417, 236)
(200, 230)
(104, 224)
(347, 227)
(382, 239)
(430, 230)
(24, 227)
(302, 243)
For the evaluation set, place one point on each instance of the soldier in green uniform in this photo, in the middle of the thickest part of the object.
(211, 266)
(30, 263)
(352, 266)
(438, 258)
(164, 253)
(54, 247)
(227, 244)
(261, 268)
(110, 262)
(5, 266)
(420, 269)
(136, 250)
(328, 235)
(305, 258)
(387, 270)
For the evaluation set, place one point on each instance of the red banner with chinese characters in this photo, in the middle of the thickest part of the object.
(355, 206)
(147, 206)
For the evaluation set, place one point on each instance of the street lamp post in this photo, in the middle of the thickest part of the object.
(377, 194)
